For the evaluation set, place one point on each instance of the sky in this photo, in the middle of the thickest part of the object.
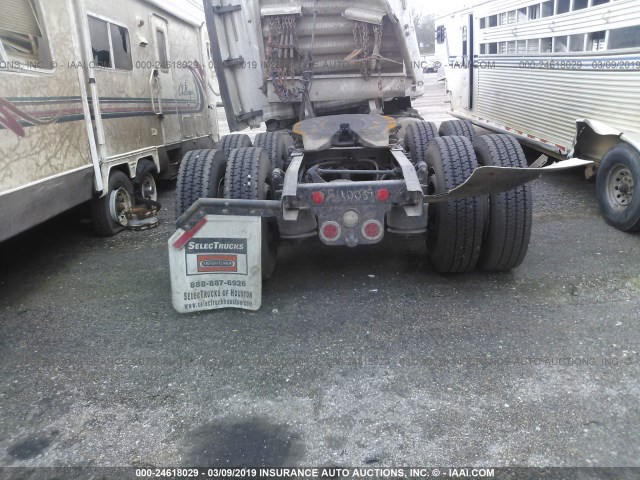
(439, 7)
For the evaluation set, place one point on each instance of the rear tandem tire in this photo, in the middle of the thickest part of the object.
(417, 139)
(109, 212)
(454, 234)
(618, 188)
(229, 143)
(509, 216)
(201, 175)
(276, 145)
(459, 128)
(247, 178)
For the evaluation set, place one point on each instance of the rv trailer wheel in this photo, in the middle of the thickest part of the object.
(417, 139)
(618, 188)
(459, 128)
(276, 145)
(247, 178)
(109, 213)
(454, 235)
(509, 215)
(201, 176)
(145, 181)
(228, 143)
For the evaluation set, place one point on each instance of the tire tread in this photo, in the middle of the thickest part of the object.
(456, 247)
(509, 228)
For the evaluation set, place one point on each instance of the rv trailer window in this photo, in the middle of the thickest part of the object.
(493, 21)
(547, 8)
(534, 11)
(162, 51)
(483, 48)
(512, 16)
(483, 22)
(598, 2)
(440, 34)
(521, 46)
(628, 37)
(99, 33)
(121, 47)
(580, 4)
(546, 45)
(22, 37)
(533, 46)
(563, 6)
(493, 48)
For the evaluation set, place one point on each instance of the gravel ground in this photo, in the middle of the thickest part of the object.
(357, 357)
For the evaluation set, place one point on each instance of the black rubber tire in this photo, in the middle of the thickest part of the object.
(145, 168)
(276, 146)
(458, 128)
(201, 175)
(417, 139)
(510, 214)
(247, 178)
(625, 218)
(454, 234)
(228, 143)
(103, 224)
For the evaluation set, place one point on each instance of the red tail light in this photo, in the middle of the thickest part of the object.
(382, 195)
(372, 230)
(330, 231)
(318, 198)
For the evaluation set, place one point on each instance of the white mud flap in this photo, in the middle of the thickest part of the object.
(217, 264)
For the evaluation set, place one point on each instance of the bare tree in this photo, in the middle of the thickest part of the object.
(417, 16)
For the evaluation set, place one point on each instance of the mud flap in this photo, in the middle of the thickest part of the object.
(217, 264)
(488, 180)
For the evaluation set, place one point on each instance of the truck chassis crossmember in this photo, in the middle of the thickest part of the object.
(353, 193)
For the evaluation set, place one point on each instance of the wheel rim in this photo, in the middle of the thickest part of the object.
(620, 187)
(148, 188)
(119, 205)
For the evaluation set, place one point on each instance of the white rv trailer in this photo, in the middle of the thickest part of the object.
(562, 76)
(96, 100)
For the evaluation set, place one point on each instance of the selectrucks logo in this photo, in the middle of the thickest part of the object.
(217, 245)
(205, 256)
(217, 263)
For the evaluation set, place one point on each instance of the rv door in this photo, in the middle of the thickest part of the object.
(163, 97)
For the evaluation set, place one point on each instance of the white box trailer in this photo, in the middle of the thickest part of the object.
(97, 99)
(560, 75)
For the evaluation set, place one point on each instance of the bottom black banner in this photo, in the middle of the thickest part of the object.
(337, 473)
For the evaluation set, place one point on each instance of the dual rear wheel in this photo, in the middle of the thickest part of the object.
(242, 173)
(109, 212)
(491, 232)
